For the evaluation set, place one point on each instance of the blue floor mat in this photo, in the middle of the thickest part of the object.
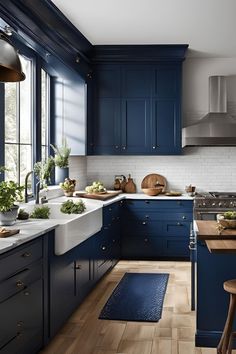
(137, 297)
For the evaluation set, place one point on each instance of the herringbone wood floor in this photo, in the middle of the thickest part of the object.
(84, 333)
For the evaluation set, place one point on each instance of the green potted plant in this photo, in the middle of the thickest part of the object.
(68, 187)
(10, 192)
(61, 160)
(43, 171)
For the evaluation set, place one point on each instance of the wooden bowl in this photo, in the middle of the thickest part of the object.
(227, 223)
(152, 191)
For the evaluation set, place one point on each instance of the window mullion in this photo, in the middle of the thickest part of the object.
(18, 130)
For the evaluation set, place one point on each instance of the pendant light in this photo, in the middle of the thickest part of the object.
(10, 65)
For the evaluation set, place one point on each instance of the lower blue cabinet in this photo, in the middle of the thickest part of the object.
(21, 299)
(156, 229)
(212, 300)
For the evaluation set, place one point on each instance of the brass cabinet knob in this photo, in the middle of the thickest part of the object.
(184, 217)
(124, 147)
(104, 248)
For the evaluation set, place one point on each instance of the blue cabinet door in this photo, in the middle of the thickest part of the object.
(84, 279)
(136, 81)
(136, 128)
(166, 127)
(106, 127)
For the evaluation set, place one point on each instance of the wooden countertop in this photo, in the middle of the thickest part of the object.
(223, 243)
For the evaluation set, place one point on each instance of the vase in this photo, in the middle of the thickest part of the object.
(9, 217)
(61, 173)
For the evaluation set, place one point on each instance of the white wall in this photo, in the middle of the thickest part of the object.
(209, 168)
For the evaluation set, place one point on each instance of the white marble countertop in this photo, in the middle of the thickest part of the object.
(31, 228)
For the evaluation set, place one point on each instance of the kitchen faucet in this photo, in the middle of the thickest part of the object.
(26, 187)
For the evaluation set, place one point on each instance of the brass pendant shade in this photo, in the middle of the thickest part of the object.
(10, 65)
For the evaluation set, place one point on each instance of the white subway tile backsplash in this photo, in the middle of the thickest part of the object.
(209, 168)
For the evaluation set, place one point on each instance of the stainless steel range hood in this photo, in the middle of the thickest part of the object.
(217, 128)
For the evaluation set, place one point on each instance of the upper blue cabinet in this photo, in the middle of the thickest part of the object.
(136, 101)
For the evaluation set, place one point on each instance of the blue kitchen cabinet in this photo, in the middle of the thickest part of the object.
(71, 278)
(212, 300)
(137, 109)
(156, 229)
(135, 126)
(107, 241)
(105, 124)
(22, 284)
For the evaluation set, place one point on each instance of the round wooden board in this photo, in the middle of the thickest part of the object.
(154, 180)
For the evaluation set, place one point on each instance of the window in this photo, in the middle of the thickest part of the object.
(18, 125)
(26, 137)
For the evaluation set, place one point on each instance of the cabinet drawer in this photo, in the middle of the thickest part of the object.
(21, 280)
(14, 261)
(149, 204)
(141, 247)
(176, 247)
(23, 317)
(157, 228)
(149, 215)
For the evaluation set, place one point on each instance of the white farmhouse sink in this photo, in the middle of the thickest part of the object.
(73, 228)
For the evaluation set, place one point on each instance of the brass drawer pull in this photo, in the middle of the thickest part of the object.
(144, 222)
(26, 254)
(19, 284)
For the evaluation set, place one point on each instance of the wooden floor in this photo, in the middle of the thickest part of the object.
(84, 333)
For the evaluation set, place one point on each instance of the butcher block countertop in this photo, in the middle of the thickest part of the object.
(223, 243)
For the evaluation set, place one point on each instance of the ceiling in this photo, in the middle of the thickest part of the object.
(208, 26)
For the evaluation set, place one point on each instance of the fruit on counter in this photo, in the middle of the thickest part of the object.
(230, 215)
(96, 187)
(70, 207)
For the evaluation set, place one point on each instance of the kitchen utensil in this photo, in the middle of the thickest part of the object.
(123, 183)
(154, 180)
(130, 186)
(152, 191)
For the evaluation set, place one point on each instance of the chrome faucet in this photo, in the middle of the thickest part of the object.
(26, 187)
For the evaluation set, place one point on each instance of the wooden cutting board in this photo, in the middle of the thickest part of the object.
(9, 233)
(103, 197)
(154, 180)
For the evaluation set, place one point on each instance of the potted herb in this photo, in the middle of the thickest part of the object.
(10, 192)
(68, 186)
(43, 171)
(61, 160)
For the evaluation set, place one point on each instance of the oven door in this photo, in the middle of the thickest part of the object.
(205, 215)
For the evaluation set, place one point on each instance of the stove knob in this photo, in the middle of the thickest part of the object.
(232, 203)
(213, 204)
(220, 204)
(203, 204)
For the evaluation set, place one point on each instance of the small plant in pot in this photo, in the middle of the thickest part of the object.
(61, 160)
(10, 192)
(43, 171)
(68, 186)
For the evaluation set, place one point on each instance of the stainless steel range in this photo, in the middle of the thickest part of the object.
(208, 205)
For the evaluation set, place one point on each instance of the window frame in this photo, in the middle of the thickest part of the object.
(36, 100)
